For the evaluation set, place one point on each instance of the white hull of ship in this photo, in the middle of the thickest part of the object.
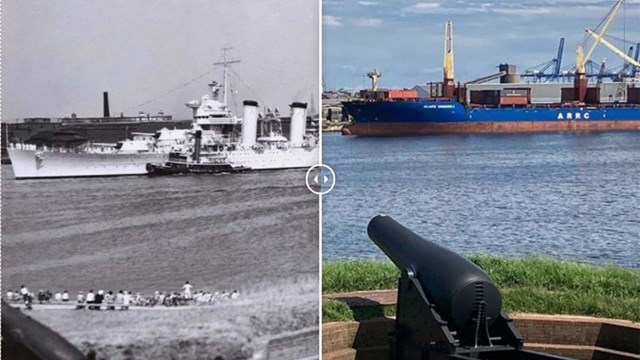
(35, 164)
(273, 159)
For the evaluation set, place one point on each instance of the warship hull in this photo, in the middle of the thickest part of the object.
(35, 164)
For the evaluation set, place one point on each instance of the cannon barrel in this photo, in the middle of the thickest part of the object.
(27, 339)
(453, 284)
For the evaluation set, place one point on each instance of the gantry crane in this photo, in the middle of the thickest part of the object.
(538, 71)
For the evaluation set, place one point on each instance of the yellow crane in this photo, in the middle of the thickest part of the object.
(374, 76)
(448, 51)
(611, 47)
(448, 86)
(581, 57)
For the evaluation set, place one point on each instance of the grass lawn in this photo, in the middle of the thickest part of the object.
(528, 284)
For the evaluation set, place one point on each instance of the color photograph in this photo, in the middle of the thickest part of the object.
(488, 167)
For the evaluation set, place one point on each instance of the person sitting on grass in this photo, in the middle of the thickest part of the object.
(41, 296)
(235, 294)
(24, 292)
(91, 298)
(186, 290)
(28, 300)
(168, 299)
(9, 296)
(99, 299)
(198, 298)
(109, 299)
(57, 297)
(80, 301)
(65, 296)
(126, 300)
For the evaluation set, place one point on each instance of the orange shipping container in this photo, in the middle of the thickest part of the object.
(514, 100)
(403, 94)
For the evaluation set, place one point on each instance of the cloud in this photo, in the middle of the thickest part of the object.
(425, 5)
(349, 68)
(431, 70)
(368, 3)
(525, 11)
(368, 22)
(329, 20)
(421, 7)
(524, 8)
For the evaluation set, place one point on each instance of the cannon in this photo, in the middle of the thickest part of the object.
(447, 307)
(26, 339)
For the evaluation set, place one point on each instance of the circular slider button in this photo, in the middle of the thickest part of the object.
(320, 179)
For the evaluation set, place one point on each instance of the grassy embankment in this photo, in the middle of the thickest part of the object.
(234, 329)
(528, 285)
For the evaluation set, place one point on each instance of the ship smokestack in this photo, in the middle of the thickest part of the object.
(105, 104)
(249, 123)
(196, 150)
(298, 122)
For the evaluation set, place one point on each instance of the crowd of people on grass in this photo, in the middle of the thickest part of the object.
(123, 299)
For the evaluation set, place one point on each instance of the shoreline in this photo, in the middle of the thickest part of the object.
(240, 328)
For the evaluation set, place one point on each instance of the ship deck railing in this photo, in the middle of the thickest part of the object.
(87, 148)
(554, 106)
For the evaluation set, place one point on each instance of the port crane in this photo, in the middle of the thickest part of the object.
(600, 39)
(627, 69)
(584, 65)
(582, 58)
(448, 86)
(538, 72)
(374, 75)
(631, 64)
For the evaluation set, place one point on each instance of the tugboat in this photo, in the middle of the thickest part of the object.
(184, 163)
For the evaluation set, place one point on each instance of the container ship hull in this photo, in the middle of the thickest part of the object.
(404, 118)
(34, 164)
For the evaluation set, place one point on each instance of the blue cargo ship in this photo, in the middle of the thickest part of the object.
(451, 108)
(397, 118)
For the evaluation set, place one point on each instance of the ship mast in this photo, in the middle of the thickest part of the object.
(226, 64)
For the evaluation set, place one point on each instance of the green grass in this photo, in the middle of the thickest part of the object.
(529, 284)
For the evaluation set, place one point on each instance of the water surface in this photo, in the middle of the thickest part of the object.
(143, 234)
(569, 196)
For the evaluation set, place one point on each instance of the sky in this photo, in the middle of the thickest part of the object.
(59, 56)
(403, 39)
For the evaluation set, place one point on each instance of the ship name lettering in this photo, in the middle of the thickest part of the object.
(573, 116)
(438, 106)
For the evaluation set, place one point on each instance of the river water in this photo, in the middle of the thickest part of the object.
(568, 196)
(143, 234)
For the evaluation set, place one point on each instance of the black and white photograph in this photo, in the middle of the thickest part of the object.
(154, 157)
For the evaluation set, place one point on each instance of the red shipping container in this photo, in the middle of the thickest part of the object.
(403, 94)
(514, 100)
